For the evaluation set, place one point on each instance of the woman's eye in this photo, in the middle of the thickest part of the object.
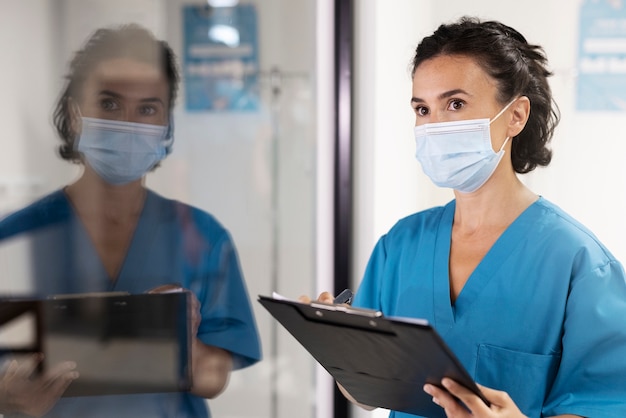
(456, 104)
(108, 104)
(147, 110)
(421, 110)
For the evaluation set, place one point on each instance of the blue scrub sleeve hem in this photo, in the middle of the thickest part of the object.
(245, 350)
(241, 362)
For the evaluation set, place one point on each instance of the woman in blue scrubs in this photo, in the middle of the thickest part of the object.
(527, 298)
(108, 232)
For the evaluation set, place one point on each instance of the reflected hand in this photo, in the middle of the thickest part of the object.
(194, 303)
(502, 406)
(210, 365)
(23, 393)
(324, 297)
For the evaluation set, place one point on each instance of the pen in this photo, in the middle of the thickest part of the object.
(344, 297)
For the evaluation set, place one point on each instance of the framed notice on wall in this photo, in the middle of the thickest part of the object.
(221, 62)
(601, 63)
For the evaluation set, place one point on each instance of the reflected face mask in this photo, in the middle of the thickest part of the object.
(122, 152)
(458, 154)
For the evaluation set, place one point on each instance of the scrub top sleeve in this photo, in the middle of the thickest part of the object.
(368, 294)
(227, 318)
(590, 380)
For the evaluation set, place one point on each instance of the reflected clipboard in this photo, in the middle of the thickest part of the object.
(121, 343)
(381, 361)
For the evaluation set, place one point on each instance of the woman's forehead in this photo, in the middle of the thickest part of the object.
(128, 75)
(127, 70)
(444, 73)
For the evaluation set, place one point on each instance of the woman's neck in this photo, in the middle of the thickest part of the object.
(94, 198)
(495, 205)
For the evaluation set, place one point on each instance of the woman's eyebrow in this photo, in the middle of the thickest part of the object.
(109, 93)
(119, 96)
(152, 100)
(443, 95)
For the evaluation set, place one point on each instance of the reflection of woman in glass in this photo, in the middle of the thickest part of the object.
(107, 232)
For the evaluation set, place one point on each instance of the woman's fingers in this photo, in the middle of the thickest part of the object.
(34, 394)
(58, 383)
(445, 400)
(496, 397)
(167, 288)
(471, 405)
(27, 366)
(324, 297)
(63, 370)
(469, 398)
(10, 369)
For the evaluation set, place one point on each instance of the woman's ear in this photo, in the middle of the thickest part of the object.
(520, 110)
(75, 122)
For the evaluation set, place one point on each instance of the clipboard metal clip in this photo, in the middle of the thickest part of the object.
(370, 313)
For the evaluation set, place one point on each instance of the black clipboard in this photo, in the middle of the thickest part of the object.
(382, 362)
(122, 343)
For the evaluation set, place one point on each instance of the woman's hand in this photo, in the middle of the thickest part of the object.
(502, 406)
(22, 393)
(327, 297)
(211, 366)
(194, 304)
(324, 297)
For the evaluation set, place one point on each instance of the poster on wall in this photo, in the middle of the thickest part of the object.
(221, 62)
(601, 84)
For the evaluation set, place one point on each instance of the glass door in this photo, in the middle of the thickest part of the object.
(245, 144)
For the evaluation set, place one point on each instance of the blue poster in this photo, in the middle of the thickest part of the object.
(602, 56)
(221, 62)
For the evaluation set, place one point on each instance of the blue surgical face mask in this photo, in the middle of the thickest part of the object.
(458, 154)
(122, 152)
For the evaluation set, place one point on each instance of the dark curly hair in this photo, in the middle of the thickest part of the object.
(519, 68)
(126, 41)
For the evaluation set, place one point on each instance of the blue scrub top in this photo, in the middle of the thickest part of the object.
(542, 316)
(173, 243)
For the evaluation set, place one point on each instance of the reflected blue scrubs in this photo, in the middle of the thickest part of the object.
(173, 243)
(542, 317)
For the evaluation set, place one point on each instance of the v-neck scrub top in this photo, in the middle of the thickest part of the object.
(173, 243)
(542, 317)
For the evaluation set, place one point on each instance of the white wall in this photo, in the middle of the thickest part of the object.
(324, 205)
(26, 39)
(585, 178)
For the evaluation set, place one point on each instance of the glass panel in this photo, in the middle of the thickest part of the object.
(243, 151)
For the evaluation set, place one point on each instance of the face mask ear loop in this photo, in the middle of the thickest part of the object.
(498, 115)
(503, 110)
(504, 144)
